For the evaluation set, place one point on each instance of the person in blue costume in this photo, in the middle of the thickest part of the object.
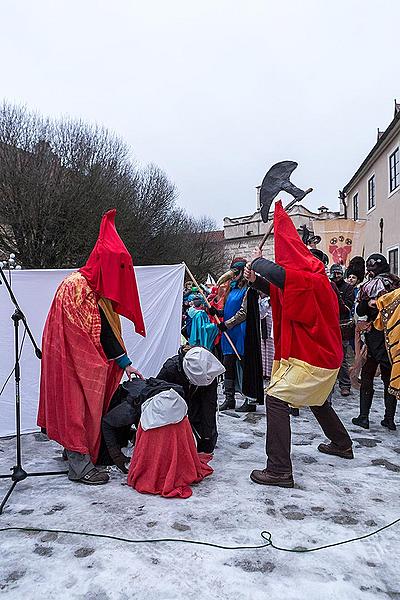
(234, 320)
(202, 331)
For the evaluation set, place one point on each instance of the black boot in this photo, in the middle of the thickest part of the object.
(362, 420)
(247, 407)
(390, 410)
(119, 459)
(229, 391)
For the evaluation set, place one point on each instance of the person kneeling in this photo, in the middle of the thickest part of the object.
(196, 370)
(165, 460)
(193, 374)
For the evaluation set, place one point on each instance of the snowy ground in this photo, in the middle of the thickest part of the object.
(333, 500)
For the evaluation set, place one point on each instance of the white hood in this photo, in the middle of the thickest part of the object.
(201, 366)
(162, 409)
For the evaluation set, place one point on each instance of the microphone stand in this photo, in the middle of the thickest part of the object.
(18, 473)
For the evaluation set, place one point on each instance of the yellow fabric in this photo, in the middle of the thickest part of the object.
(113, 319)
(300, 384)
(388, 320)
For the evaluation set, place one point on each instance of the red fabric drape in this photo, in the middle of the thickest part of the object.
(77, 380)
(306, 312)
(165, 461)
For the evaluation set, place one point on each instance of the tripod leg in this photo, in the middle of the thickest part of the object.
(6, 497)
(44, 473)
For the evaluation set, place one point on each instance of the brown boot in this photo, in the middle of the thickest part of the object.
(264, 478)
(335, 450)
(94, 477)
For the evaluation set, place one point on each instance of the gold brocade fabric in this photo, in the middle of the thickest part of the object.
(79, 305)
(388, 320)
(301, 384)
(113, 319)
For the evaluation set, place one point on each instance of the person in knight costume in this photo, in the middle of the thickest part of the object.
(380, 283)
(308, 348)
(84, 355)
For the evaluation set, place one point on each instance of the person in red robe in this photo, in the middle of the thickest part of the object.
(165, 460)
(84, 355)
(308, 348)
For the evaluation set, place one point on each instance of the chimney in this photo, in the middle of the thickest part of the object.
(396, 107)
(379, 134)
(258, 188)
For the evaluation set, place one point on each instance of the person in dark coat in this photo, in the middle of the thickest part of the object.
(193, 374)
(196, 370)
(346, 293)
(381, 281)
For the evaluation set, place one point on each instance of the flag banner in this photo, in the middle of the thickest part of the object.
(341, 239)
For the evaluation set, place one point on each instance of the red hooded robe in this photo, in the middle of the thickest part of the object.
(308, 343)
(77, 379)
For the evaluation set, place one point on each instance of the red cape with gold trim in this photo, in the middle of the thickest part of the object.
(77, 380)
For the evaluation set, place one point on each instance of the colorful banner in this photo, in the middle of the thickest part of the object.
(341, 239)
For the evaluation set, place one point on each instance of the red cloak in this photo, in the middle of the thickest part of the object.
(308, 342)
(77, 379)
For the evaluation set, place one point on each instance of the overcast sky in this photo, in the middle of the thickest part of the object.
(214, 91)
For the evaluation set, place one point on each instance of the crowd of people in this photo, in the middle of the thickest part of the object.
(280, 332)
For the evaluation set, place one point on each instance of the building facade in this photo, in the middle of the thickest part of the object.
(243, 234)
(373, 194)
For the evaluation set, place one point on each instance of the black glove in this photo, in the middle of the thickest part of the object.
(212, 310)
(222, 326)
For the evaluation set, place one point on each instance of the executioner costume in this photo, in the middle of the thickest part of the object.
(83, 351)
(308, 348)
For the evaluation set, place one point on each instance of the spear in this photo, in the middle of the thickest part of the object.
(209, 306)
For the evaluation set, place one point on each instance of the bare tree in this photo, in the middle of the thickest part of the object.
(56, 180)
(58, 177)
(205, 250)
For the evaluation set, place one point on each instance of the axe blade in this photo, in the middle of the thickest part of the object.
(276, 180)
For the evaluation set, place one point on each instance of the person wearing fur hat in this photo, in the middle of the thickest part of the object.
(380, 282)
(355, 272)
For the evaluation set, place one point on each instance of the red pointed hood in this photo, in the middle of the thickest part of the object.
(290, 251)
(110, 273)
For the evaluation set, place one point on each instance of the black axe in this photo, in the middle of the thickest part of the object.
(276, 180)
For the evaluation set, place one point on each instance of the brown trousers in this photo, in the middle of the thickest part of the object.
(278, 440)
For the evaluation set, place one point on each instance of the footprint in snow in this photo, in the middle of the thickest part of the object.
(83, 552)
(180, 527)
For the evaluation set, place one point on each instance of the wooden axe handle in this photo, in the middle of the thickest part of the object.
(270, 228)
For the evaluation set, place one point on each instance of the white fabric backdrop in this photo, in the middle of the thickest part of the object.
(160, 289)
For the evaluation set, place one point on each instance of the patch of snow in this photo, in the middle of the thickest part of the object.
(333, 500)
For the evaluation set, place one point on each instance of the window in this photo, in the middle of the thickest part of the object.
(394, 174)
(393, 256)
(355, 207)
(371, 192)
